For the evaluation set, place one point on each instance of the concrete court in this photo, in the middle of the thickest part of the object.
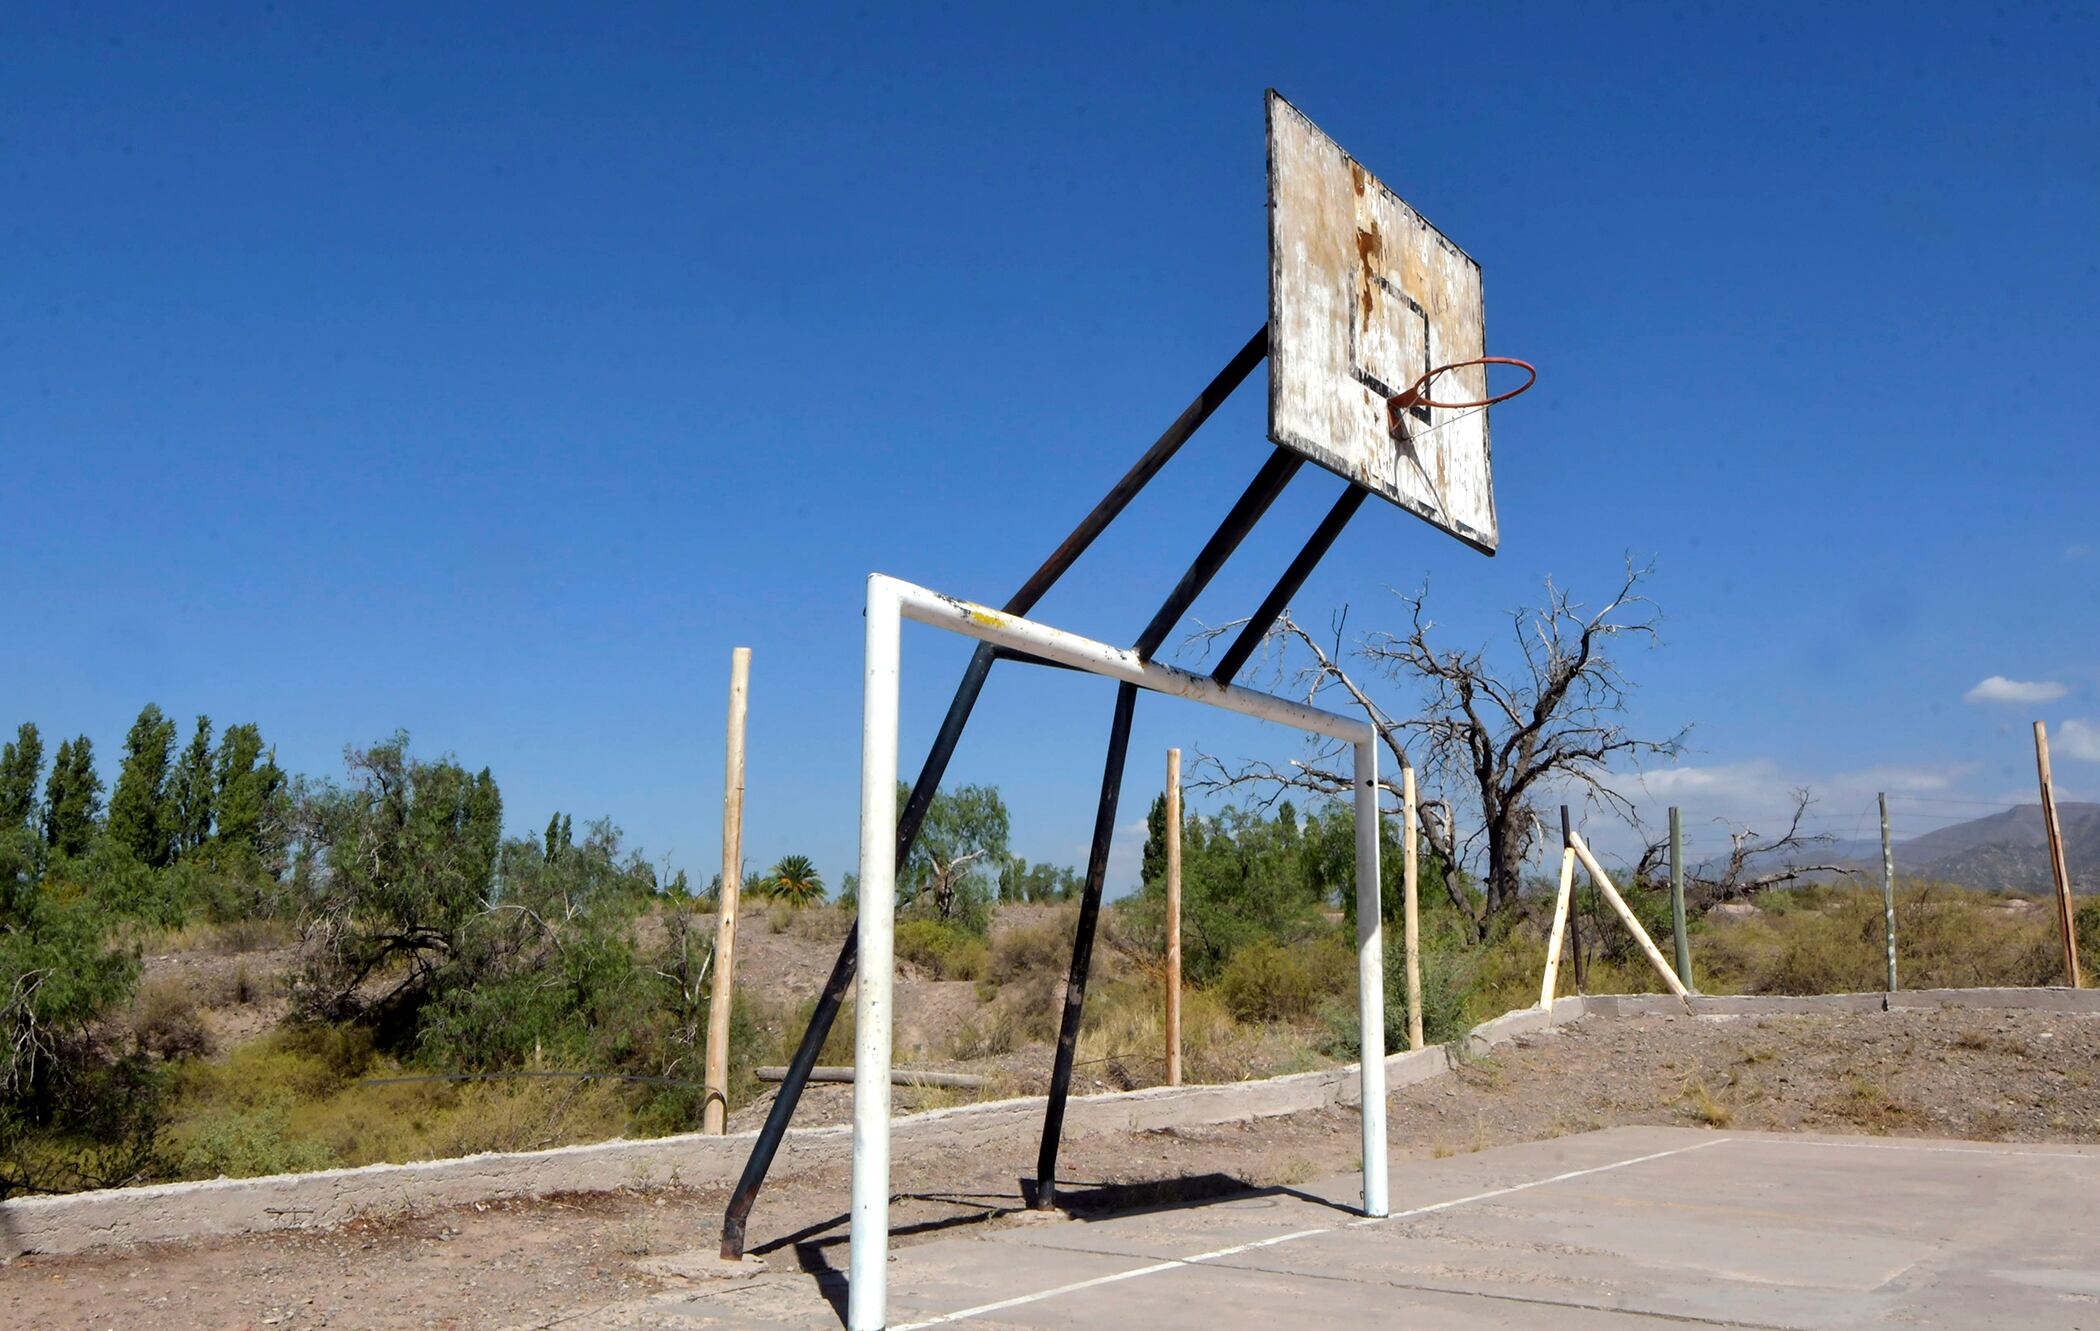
(1625, 1228)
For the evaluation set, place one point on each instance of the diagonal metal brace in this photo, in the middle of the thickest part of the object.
(913, 814)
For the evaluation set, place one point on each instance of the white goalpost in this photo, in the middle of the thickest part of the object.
(890, 602)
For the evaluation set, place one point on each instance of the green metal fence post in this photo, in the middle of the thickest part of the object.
(1684, 944)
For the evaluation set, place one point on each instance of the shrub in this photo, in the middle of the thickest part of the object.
(2086, 924)
(838, 1044)
(248, 1142)
(1824, 939)
(238, 988)
(1035, 947)
(1449, 972)
(819, 924)
(1265, 982)
(71, 1114)
(941, 949)
(1000, 1027)
(165, 1021)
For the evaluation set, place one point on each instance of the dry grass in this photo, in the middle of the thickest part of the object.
(1704, 1107)
(1868, 1105)
(1826, 940)
(228, 939)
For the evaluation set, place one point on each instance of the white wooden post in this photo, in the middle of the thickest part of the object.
(1626, 916)
(1173, 1021)
(715, 1105)
(1411, 920)
(1560, 927)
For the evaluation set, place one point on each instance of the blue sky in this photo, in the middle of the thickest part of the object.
(492, 373)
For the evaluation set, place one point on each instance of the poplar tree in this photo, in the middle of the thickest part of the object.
(485, 827)
(247, 796)
(138, 814)
(190, 793)
(20, 763)
(72, 797)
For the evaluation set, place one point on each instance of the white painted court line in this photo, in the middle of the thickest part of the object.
(1922, 1146)
(1177, 1263)
(1536, 1183)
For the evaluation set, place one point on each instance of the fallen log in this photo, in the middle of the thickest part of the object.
(962, 1081)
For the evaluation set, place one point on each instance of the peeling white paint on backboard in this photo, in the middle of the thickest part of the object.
(1364, 297)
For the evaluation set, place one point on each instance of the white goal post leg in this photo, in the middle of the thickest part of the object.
(890, 602)
(867, 1294)
(1370, 977)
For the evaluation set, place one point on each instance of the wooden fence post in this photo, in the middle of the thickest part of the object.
(1627, 917)
(1888, 891)
(1684, 943)
(1173, 917)
(714, 1112)
(1411, 928)
(1561, 898)
(2065, 921)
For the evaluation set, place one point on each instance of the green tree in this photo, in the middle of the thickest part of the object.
(392, 875)
(558, 838)
(190, 792)
(20, 764)
(139, 820)
(795, 880)
(60, 1085)
(249, 798)
(961, 843)
(72, 798)
(1020, 881)
(1245, 878)
(1153, 865)
(485, 827)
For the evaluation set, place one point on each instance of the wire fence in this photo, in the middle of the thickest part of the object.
(1849, 831)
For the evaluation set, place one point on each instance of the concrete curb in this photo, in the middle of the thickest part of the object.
(80, 1221)
(2068, 1001)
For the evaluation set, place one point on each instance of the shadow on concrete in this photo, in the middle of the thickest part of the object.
(1107, 1201)
(819, 1249)
(815, 1245)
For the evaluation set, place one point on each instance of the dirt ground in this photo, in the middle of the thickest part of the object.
(1995, 1076)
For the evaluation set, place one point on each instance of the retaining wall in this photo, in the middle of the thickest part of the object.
(86, 1220)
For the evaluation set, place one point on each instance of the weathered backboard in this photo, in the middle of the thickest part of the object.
(1364, 298)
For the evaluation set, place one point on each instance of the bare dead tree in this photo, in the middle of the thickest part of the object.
(1322, 770)
(1744, 872)
(1490, 739)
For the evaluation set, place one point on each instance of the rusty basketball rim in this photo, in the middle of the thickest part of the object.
(1417, 393)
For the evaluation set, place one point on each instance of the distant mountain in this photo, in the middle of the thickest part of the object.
(2007, 850)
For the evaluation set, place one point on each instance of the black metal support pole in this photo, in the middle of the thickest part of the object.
(1254, 501)
(1582, 970)
(1316, 548)
(921, 798)
(1118, 498)
(1083, 946)
(792, 1082)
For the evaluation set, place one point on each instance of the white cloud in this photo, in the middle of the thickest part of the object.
(2078, 551)
(2077, 739)
(2000, 689)
(1893, 778)
(1721, 781)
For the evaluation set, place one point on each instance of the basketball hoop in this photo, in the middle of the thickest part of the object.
(1417, 393)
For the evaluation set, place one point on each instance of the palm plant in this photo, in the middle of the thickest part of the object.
(795, 880)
